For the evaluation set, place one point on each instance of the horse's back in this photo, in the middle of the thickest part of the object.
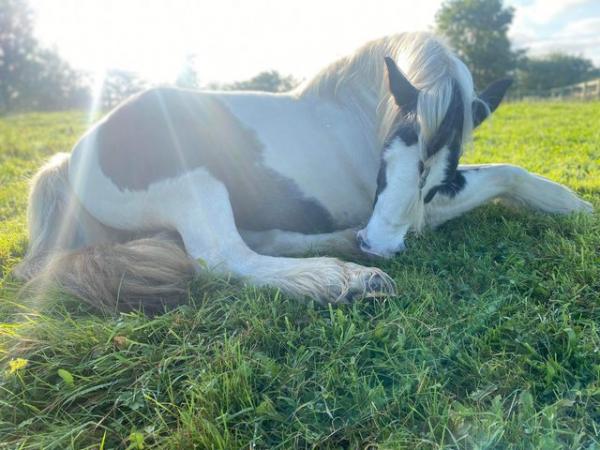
(163, 137)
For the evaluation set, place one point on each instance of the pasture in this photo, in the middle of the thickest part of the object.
(492, 342)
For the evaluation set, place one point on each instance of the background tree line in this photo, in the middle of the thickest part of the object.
(37, 78)
(478, 32)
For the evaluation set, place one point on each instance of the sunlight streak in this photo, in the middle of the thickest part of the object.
(97, 90)
(67, 231)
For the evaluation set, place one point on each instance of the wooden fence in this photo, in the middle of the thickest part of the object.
(588, 90)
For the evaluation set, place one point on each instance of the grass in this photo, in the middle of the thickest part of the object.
(493, 341)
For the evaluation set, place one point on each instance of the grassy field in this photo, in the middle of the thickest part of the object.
(492, 342)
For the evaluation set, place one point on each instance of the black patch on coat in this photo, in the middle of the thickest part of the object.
(164, 133)
(453, 187)
(381, 178)
(431, 194)
(450, 130)
(449, 134)
(407, 131)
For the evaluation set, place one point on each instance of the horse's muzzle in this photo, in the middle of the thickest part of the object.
(365, 247)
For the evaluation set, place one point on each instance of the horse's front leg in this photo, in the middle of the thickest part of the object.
(478, 184)
(209, 233)
(289, 243)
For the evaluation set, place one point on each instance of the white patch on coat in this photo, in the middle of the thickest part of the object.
(399, 205)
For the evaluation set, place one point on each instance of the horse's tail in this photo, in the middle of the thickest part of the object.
(70, 249)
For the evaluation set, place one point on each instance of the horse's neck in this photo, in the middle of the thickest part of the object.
(352, 120)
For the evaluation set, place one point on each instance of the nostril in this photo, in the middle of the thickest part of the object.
(360, 240)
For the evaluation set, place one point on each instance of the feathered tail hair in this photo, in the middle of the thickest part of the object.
(107, 268)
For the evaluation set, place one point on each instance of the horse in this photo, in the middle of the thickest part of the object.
(245, 184)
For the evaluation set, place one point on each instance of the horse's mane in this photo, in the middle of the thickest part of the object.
(360, 80)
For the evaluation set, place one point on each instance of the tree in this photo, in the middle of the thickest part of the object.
(554, 70)
(57, 86)
(32, 77)
(269, 81)
(17, 51)
(477, 30)
(118, 85)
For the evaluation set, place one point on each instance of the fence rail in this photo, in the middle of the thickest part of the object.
(588, 90)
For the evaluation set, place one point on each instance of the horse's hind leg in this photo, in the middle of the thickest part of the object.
(504, 182)
(207, 227)
(289, 243)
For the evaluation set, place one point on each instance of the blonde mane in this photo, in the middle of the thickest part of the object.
(359, 81)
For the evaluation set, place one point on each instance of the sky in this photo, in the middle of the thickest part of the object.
(236, 39)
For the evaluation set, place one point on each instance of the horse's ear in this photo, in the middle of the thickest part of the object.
(491, 96)
(404, 93)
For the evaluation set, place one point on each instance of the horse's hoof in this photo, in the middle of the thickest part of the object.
(371, 283)
(380, 286)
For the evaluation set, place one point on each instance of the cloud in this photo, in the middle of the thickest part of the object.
(545, 26)
(579, 37)
(544, 11)
(588, 27)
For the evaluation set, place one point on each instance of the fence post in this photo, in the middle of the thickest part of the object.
(588, 90)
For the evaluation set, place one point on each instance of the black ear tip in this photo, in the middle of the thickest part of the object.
(403, 92)
(501, 84)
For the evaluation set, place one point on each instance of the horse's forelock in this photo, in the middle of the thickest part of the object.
(438, 73)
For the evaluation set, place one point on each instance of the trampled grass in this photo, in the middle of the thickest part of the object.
(492, 342)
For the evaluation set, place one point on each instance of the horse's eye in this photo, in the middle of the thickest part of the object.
(423, 178)
(431, 194)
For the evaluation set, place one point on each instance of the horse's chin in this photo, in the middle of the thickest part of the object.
(380, 255)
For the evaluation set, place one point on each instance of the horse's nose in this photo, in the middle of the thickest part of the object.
(365, 246)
